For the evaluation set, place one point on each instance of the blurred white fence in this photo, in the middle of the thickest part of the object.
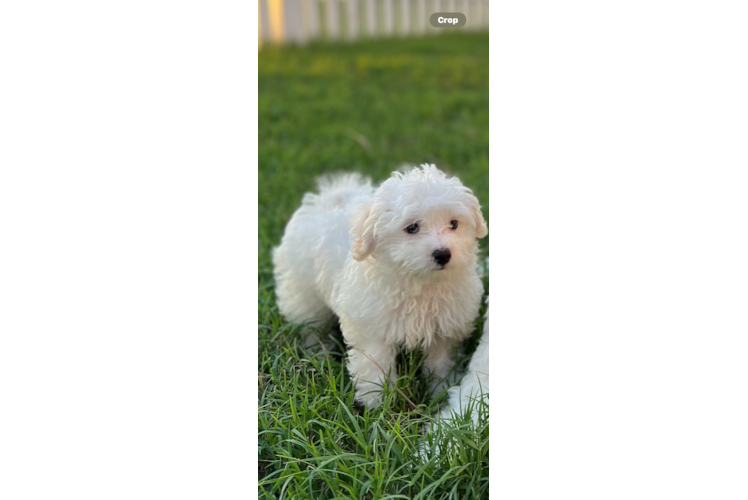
(301, 21)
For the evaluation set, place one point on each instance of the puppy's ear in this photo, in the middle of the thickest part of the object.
(362, 228)
(481, 231)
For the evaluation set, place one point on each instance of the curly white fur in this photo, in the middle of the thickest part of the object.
(346, 252)
(464, 398)
(474, 386)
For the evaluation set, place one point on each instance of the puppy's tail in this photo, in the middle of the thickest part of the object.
(404, 168)
(337, 190)
(340, 182)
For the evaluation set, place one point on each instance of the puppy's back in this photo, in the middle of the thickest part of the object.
(340, 191)
(315, 245)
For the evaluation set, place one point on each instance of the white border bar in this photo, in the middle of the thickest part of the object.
(603, 344)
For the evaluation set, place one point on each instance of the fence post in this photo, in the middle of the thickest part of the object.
(389, 18)
(293, 22)
(262, 24)
(371, 18)
(333, 19)
(406, 30)
(435, 7)
(310, 16)
(421, 17)
(275, 20)
(353, 28)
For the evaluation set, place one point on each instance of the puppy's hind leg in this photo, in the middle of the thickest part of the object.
(317, 321)
(299, 302)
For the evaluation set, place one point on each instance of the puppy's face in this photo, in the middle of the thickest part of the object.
(420, 222)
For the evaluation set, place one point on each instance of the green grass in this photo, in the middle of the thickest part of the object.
(366, 107)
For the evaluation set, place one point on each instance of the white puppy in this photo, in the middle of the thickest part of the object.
(396, 264)
(474, 386)
(463, 398)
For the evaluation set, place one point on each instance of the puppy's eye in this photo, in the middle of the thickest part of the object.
(453, 224)
(412, 229)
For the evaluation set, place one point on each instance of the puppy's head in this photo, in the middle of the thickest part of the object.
(419, 221)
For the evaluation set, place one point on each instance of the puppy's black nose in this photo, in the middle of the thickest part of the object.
(442, 256)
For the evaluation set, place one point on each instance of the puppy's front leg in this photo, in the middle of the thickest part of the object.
(368, 378)
(439, 362)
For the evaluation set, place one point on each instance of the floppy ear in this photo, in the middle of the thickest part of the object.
(362, 228)
(481, 231)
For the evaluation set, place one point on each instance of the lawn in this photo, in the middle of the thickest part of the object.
(366, 107)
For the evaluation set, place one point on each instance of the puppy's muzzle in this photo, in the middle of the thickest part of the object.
(442, 256)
